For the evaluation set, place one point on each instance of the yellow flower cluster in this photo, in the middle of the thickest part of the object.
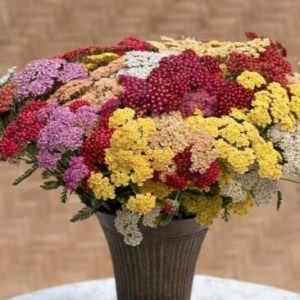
(121, 117)
(158, 189)
(141, 203)
(239, 159)
(242, 208)
(129, 157)
(101, 186)
(161, 159)
(240, 144)
(267, 157)
(215, 48)
(268, 160)
(273, 106)
(96, 60)
(251, 80)
(206, 208)
(295, 99)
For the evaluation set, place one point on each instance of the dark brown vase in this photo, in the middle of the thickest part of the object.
(162, 266)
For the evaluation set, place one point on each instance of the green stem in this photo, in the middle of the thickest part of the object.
(177, 195)
(290, 180)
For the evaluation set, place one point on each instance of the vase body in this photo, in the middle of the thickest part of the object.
(162, 266)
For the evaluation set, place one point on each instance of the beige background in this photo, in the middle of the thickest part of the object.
(38, 246)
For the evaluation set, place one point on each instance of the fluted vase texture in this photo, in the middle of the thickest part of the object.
(162, 266)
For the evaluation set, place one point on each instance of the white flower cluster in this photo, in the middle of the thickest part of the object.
(150, 218)
(234, 190)
(289, 143)
(265, 190)
(262, 189)
(141, 63)
(126, 223)
(9, 74)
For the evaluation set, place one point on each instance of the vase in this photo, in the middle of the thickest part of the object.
(162, 266)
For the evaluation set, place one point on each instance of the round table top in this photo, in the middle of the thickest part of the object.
(204, 288)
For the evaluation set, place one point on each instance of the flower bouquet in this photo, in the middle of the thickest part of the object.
(153, 136)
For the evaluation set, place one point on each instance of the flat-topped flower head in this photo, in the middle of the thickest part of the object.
(40, 77)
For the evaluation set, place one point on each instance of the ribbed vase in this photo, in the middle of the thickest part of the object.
(162, 266)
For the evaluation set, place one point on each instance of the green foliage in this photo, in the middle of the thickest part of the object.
(87, 211)
(279, 200)
(192, 193)
(64, 195)
(32, 150)
(83, 214)
(2, 127)
(28, 173)
(165, 219)
(226, 211)
(51, 184)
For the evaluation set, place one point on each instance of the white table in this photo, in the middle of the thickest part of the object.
(204, 288)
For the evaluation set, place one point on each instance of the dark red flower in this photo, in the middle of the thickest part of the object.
(175, 181)
(163, 91)
(183, 164)
(130, 44)
(209, 177)
(169, 208)
(93, 148)
(199, 99)
(271, 64)
(25, 128)
(74, 105)
(78, 53)
(8, 148)
(232, 94)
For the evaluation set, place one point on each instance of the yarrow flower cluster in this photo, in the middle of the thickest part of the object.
(158, 130)
(40, 77)
(289, 143)
(75, 172)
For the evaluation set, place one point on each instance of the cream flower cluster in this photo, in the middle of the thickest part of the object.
(214, 48)
(141, 63)
(6, 77)
(126, 223)
(239, 188)
(289, 143)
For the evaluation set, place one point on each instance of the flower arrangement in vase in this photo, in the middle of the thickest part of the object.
(153, 136)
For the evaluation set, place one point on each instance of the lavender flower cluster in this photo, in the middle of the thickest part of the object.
(75, 173)
(64, 131)
(41, 76)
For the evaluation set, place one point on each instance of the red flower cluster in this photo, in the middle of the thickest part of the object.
(6, 96)
(169, 207)
(134, 95)
(183, 83)
(271, 64)
(78, 53)
(232, 94)
(209, 177)
(175, 181)
(183, 174)
(199, 99)
(127, 44)
(130, 44)
(93, 148)
(8, 148)
(74, 105)
(25, 128)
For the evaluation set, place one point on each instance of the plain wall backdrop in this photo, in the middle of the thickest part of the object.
(38, 245)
